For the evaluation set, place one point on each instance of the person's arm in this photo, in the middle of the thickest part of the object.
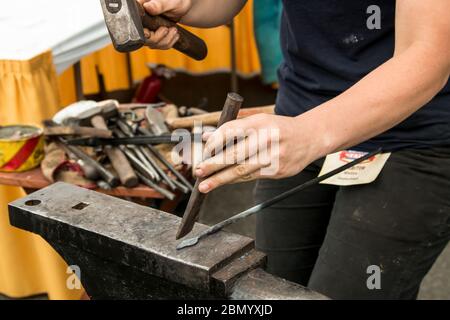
(391, 93)
(195, 13)
(419, 69)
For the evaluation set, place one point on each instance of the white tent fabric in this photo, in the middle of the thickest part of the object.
(71, 29)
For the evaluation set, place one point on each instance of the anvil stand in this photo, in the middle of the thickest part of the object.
(127, 251)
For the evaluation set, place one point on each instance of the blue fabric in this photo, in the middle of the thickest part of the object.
(327, 48)
(267, 20)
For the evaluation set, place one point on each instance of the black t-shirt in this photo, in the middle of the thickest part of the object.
(328, 46)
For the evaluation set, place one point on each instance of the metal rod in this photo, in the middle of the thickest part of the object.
(138, 140)
(138, 155)
(158, 169)
(255, 209)
(138, 152)
(148, 156)
(129, 69)
(136, 163)
(166, 163)
(78, 81)
(181, 186)
(169, 195)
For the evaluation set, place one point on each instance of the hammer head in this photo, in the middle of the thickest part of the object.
(110, 108)
(106, 109)
(124, 23)
(156, 121)
(84, 119)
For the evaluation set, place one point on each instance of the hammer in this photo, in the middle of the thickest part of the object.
(126, 20)
(96, 118)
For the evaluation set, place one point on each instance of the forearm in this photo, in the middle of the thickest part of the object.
(212, 13)
(381, 100)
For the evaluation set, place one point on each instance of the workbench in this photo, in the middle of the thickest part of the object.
(34, 180)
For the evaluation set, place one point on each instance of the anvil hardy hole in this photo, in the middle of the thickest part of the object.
(80, 206)
(33, 203)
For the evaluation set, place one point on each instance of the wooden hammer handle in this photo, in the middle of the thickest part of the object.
(212, 119)
(122, 166)
(229, 113)
(189, 43)
(99, 122)
(83, 131)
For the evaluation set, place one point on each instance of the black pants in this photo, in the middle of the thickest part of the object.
(327, 237)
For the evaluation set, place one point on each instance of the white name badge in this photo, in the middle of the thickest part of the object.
(363, 173)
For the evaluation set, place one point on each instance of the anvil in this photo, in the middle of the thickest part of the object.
(128, 251)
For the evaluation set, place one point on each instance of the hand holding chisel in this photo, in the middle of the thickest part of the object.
(230, 112)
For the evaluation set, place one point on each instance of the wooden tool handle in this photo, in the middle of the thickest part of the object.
(123, 168)
(189, 43)
(99, 122)
(118, 160)
(212, 119)
(82, 131)
(230, 112)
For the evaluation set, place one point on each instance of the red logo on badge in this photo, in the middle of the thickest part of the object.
(349, 156)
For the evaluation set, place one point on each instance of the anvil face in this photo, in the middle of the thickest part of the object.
(111, 229)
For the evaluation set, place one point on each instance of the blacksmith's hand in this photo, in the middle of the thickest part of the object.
(165, 38)
(268, 147)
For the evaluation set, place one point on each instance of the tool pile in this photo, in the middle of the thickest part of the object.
(107, 163)
(104, 144)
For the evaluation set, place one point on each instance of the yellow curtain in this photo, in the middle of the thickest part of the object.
(28, 265)
(31, 92)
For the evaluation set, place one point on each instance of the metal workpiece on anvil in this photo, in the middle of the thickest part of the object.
(127, 251)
